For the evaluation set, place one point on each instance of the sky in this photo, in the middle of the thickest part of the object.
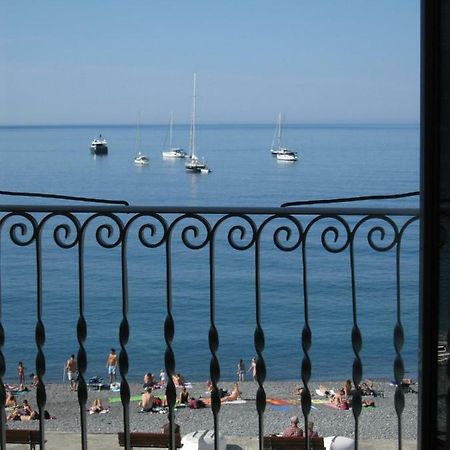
(103, 61)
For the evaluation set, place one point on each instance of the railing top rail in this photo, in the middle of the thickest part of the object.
(255, 210)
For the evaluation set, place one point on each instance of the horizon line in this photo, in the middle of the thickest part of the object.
(306, 124)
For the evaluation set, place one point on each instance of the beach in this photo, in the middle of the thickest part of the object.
(238, 420)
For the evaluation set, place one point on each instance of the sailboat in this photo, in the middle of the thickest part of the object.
(277, 149)
(140, 159)
(173, 152)
(195, 165)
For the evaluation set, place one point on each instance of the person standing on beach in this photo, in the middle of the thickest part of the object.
(253, 368)
(71, 369)
(21, 373)
(241, 370)
(111, 365)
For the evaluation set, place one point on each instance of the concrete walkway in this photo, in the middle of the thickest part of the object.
(71, 441)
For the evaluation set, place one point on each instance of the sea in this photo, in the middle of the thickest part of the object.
(335, 161)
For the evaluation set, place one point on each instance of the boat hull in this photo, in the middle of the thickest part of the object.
(99, 149)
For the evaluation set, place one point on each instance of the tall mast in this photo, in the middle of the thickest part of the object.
(279, 129)
(193, 116)
(170, 130)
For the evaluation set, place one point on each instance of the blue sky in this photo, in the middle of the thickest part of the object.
(317, 61)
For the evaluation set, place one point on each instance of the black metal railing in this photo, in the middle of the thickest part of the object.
(336, 230)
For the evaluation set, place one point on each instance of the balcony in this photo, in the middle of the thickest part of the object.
(313, 293)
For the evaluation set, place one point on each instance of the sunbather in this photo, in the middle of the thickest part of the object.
(97, 407)
(147, 400)
(10, 401)
(183, 399)
(235, 394)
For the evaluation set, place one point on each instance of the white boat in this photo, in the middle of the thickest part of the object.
(195, 165)
(99, 146)
(141, 160)
(286, 155)
(173, 152)
(277, 149)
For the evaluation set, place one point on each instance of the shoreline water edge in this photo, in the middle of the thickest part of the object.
(235, 419)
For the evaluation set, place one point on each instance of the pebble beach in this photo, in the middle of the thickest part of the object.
(379, 422)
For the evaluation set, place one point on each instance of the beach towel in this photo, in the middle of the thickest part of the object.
(282, 408)
(239, 401)
(319, 401)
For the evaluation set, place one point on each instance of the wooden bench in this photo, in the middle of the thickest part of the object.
(30, 437)
(292, 443)
(149, 440)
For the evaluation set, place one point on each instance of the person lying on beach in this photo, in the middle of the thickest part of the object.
(147, 400)
(235, 394)
(183, 398)
(293, 430)
(366, 388)
(97, 407)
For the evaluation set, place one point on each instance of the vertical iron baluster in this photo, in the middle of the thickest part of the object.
(124, 334)
(399, 397)
(305, 399)
(81, 337)
(213, 339)
(41, 396)
(259, 345)
(169, 356)
(2, 373)
(356, 344)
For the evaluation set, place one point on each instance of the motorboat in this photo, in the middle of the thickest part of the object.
(99, 146)
(286, 155)
(195, 165)
(173, 152)
(141, 160)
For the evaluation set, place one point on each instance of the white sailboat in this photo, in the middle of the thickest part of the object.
(173, 152)
(277, 149)
(140, 159)
(195, 165)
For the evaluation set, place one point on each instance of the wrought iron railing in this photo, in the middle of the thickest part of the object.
(336, 230)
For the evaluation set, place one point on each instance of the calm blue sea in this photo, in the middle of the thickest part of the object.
(335, 161)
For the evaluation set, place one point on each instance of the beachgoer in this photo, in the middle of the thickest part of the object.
(111, 365)
(293, 430)
(97, 407)
(347, 388)
(162, 377)
(147, 400)
(311, 432)
(21, 372)
(253, 368)
(149, 380)
(35, 379)
(24, 413)
(178, 380)
(71, 369)
(235, 394)
(184, 396)
(10, 401)
(241, 370)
